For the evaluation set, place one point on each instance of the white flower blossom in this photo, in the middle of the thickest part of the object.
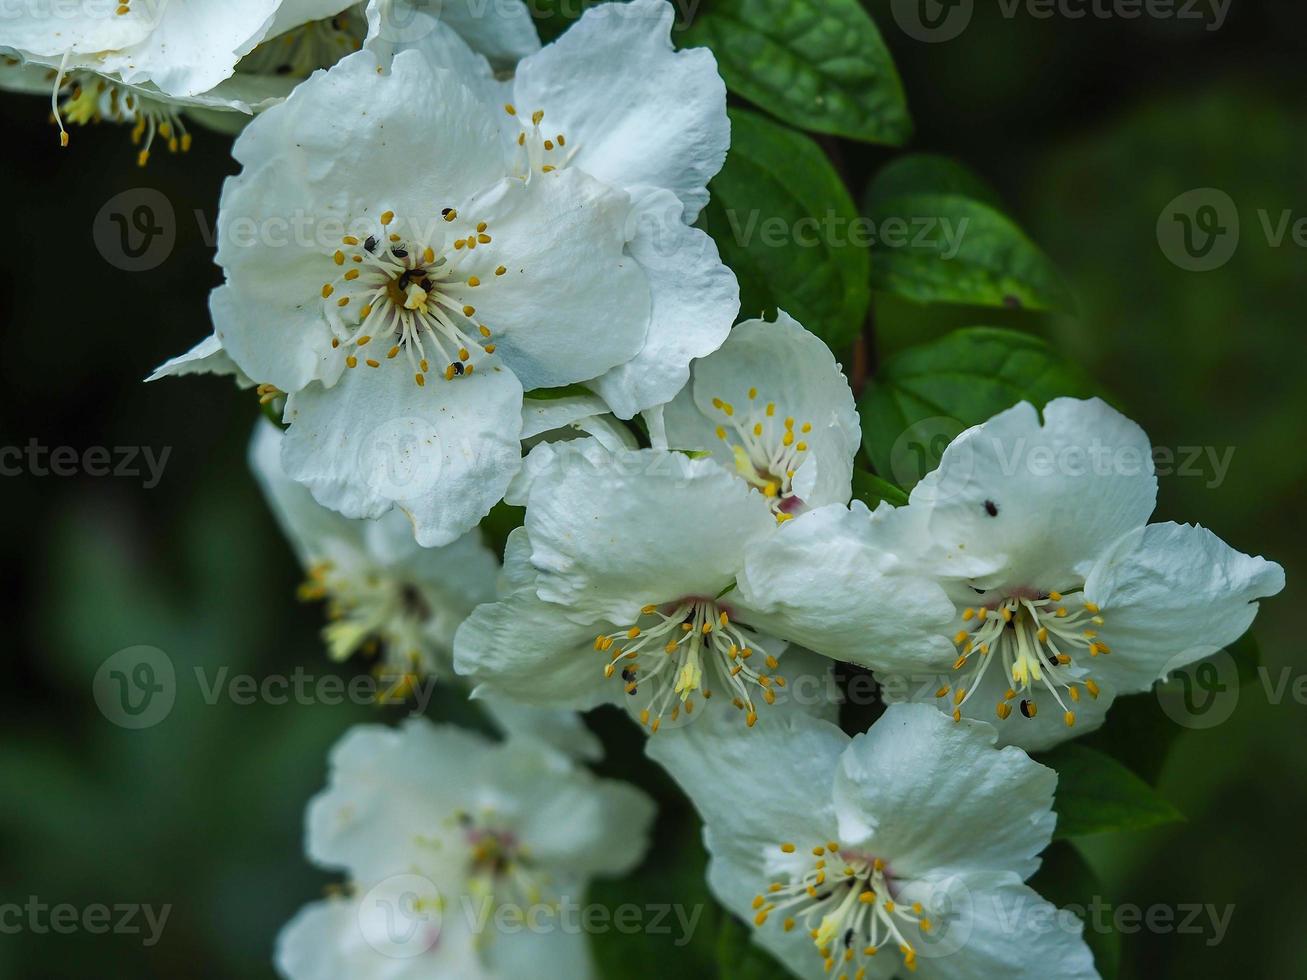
(395, 602)
(904, 848)
(1063, 595)
(443, 834)
(239, 59)
(772, 406)
(450, 285)
(621, 587)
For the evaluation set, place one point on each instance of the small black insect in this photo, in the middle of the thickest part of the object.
(446, 212)
(848, 938)
(991, 508)
(399, 253)
(371, 244)
(626, 674)
(1028, 708)
(457, 367)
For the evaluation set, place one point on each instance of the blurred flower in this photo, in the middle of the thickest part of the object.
(443, 836)
(903, 847)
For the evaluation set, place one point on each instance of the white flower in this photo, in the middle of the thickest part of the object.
(378, 240)
(439, 831)
(772, 406)
(394, 601)
(621, 586)
(384, 593)
(1063, 595)
(612, 97)
(140, 61)
(154, 84)
(903, 848)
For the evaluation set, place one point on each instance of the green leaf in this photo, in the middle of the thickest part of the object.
(551, 394)
(1096, 794)
(871, 490)
(740, 958)
(820, 65)
(940, 236)
(1066, 879)
(925, 395)
(782, 218)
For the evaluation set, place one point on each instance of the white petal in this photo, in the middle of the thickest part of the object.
(377, 936)
(348, 145)
(562, 730)
(1172, 594)
(403, 25)
(195, 44)
(48, 28)
(504, 32)
(1007, 930)
(548, 951)
(825, 580)
(310, 527)
(613, 534)
(443, 453)
(570, 304)
(526, 650)
(1018, 504)
(789, 367)
(390, 787)
(566, 818)
(637, 110)
(540, 415)
(206, 357)
(927, 793)
(695, 301)
(716, 762)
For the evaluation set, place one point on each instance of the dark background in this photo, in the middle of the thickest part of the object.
(1088, 127)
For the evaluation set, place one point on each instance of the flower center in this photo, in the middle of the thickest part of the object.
(538, 152)
(1036, 638)
(376, 615)
(402, 295)
(673, 652)
(847, 907)
(84, 98)
(499, 866)
(767, 452)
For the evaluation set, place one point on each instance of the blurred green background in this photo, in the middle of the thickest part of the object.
(1088, 128)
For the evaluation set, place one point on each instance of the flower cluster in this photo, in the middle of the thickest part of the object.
(463, 271)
